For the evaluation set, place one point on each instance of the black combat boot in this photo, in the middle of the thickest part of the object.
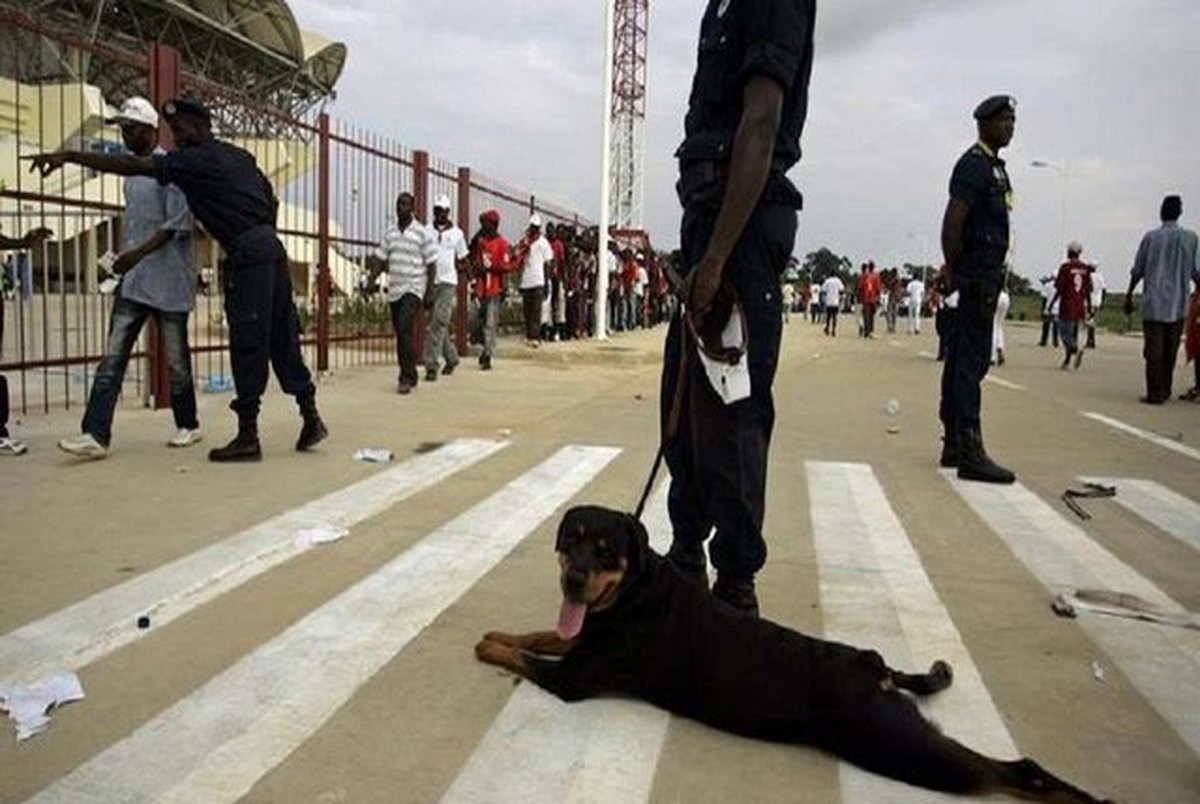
(738, 593)
(314, 430)
(245, 447)
(974, 463)
(949, 459)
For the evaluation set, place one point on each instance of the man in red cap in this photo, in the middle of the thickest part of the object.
(489, 263)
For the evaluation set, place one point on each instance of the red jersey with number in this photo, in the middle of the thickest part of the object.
(1074, 286)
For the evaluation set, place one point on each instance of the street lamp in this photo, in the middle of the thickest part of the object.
(1063, 170)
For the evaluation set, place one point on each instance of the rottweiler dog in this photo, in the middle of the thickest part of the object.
(632, 624)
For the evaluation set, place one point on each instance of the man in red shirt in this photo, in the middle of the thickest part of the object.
(868, 295)
(489, 264)
(1073, 291)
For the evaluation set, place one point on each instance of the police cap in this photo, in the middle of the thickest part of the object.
(994, 106)
(186, 107)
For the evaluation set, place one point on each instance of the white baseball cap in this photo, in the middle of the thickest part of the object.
(136, 110)
(442, 202)
(535, 220)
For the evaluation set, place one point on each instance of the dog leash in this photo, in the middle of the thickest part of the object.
(690, 340)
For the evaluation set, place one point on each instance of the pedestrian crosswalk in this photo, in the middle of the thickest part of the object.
(217, 741)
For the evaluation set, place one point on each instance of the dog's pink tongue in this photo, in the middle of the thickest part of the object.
(570, 619)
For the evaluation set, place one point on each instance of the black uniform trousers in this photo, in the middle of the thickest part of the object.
(404, 323)
(718, 457)
(1160, 349)
(264, 327)
(969, 349)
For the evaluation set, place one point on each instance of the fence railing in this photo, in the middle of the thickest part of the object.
(337, 184)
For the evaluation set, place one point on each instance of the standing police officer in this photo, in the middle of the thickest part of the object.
(234, 201)
(746, 112)
(975, 243)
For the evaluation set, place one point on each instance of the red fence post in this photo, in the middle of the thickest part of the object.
(323, 279)
(421, 212)
(163, 63)
(464, 222)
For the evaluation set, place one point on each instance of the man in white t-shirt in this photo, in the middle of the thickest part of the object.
(451, 247)
(409, 252)
(1049, 311)
(833, 289)
(1099, 288)
(916, 297)
(639, 295)
(535, 256)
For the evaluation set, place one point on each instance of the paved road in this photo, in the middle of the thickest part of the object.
(278, 671)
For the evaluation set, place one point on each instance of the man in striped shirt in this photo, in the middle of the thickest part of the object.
(411, 255)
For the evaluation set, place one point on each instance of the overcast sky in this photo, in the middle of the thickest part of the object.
(1108, 90)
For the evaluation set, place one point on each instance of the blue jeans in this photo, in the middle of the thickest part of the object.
(127, 320)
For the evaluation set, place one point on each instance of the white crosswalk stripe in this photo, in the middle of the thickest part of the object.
(541, 750)
(1163, 662)
(215, 744)
(1158, 505)
(1145, 435)
(106, 621)
(874, 592)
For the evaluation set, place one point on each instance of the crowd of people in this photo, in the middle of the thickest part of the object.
(553, 267)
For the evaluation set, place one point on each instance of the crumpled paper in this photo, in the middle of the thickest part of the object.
(29, 705)
(322, 534)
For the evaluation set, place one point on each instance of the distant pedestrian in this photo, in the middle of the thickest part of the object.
(489, 264)
(411, 255)
(1192, 345)
(1073, 294)
(1166, 261)
(535, 256)
(916, 297)
(789, 298)
(891, 297)
(869, 288)
(832, 289)
(10, 446)
(1049, 312)
(1099, 291)
(450, 245)
(158, 280)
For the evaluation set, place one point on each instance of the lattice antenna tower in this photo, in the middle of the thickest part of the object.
(626, 204)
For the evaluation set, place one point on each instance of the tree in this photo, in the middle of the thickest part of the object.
(819, 265)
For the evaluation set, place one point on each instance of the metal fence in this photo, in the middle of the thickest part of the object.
(337, 185)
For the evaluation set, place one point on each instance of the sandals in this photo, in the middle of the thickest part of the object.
(1192, 395)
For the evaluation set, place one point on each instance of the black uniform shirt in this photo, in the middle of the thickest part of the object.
(981, 182)
(740, 39)
(224, 187)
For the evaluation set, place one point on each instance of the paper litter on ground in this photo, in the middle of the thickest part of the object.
(29, 705)
(311, 537)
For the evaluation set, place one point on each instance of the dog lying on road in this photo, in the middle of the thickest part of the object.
(632, 624)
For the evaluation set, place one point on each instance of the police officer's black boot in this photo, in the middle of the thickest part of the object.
(949, 459)
(314, 430)
(245, 447)
(974, 463)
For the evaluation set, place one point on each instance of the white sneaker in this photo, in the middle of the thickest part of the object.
(12, 446)
(84, 446)
(185, 438)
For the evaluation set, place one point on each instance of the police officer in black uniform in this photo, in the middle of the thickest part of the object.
(745, 115)
(234, 201)
(975, 239)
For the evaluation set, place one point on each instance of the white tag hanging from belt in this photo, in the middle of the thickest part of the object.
(731, 381)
